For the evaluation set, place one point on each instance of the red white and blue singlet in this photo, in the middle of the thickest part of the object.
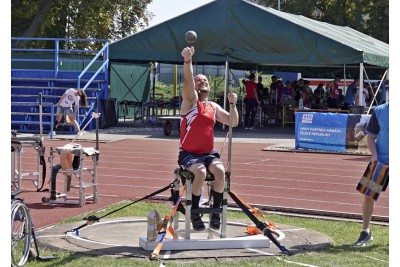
(197, 128)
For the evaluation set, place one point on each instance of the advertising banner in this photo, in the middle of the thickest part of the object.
(321, 131)
(331, 132)
(356, 132)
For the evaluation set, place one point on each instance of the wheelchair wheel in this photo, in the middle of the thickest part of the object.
(21, 233)
(167, 127)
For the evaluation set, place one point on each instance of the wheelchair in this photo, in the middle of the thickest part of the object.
(21, 231)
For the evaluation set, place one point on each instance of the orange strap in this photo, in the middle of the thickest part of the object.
(258, 213)
(162, 234)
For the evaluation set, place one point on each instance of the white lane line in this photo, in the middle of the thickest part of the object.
(279, 258)
(258, 161)
(296, 229)
(373, 258)
(297, 263)
(261, 252)
(167, 254)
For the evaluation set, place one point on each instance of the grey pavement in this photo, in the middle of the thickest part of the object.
(121, 238)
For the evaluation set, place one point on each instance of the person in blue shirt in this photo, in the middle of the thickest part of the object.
(378, 143)
(351, 92)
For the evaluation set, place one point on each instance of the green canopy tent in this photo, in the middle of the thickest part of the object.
(241, 35)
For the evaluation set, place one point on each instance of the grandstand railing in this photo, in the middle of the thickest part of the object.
(52, 65)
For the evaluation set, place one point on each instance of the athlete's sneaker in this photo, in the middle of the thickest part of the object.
(215, 221)
(197, 222)
(364, 238)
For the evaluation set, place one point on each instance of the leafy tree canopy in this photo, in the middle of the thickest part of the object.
(102, 19)
(370, 17)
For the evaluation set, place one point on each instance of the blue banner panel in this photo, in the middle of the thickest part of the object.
(321, 131)
(356, 141)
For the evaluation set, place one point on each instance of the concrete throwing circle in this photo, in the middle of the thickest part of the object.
(121, 238)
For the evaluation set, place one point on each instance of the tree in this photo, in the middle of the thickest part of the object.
(102, 19)
(370, 17)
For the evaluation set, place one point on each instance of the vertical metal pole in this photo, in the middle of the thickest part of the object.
(56, 59)
(386, 93)
(179, 92)
(226, 87)
(175, 79)
(40, 117)
(52, 122)
(344, 77)
(361, 87)
(154, 82)
(227, 188)
(97, 127)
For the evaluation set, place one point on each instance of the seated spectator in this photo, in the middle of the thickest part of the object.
(287, 95)
(306, 100)
(317, 102)
(320, 91)
(306, 87)
(297, 93)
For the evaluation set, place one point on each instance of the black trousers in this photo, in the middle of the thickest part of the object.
(251, 110)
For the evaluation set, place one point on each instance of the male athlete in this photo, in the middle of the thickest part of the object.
(196, 147)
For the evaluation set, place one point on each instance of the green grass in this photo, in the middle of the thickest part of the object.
(340, 253)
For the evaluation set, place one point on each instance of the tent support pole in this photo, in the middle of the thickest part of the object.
(226, 87)
(360, 88)
(344, 77)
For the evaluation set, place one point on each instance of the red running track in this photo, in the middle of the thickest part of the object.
(133, 168)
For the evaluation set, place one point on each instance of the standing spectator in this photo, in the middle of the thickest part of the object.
(261, 91)
(69, 98)
(251, 100)
(351, 93)
(378, 143)
(365, 95)
(274, 90)
(301, 84)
